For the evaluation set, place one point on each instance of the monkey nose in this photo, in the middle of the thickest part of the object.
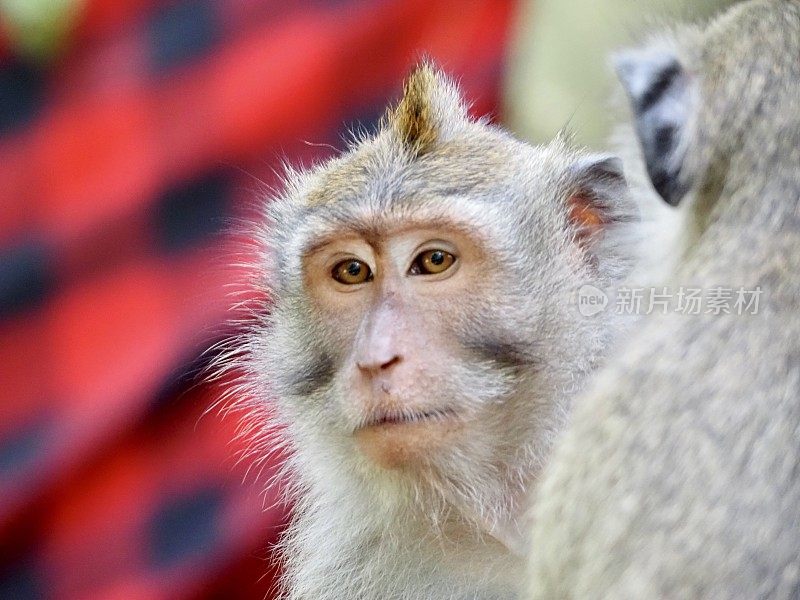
(371, 365)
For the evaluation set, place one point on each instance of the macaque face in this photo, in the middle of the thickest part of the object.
(396, 303)
(421, 319)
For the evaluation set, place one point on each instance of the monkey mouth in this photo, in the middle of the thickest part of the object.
(404, 417)
(395, 439)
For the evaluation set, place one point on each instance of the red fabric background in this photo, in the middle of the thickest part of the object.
(121, 163)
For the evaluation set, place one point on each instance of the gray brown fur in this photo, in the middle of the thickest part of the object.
(679, 476)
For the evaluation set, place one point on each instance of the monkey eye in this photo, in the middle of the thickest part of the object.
(431, 262)
(351, 272)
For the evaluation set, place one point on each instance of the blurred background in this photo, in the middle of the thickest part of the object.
(133, 133)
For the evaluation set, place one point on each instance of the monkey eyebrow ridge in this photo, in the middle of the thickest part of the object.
(373, 233)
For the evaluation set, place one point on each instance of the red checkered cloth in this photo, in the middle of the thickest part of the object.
(121, 162)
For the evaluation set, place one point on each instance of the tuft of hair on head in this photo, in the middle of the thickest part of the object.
(430, 103)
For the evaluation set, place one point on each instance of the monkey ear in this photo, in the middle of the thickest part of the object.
(660, 92)
(599, 203)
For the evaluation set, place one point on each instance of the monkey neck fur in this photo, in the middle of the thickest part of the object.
(407, 533)
(393, 536)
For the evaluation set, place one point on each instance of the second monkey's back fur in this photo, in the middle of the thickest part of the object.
(680, 474)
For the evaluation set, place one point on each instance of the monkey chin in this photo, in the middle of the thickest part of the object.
(403, 444)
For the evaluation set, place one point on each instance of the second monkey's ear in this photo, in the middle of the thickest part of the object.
(429, 111)
(599, 203)
(661, 96)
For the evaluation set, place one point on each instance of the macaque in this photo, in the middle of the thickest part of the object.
(679, 475)
(422, 343)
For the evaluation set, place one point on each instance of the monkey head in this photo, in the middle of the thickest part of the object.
(421, 328)
(707, 106)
